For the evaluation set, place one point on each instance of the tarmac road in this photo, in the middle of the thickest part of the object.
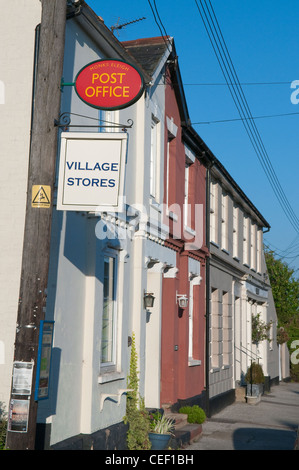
(270, 425)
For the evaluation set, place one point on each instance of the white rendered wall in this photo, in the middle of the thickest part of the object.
(18, 21)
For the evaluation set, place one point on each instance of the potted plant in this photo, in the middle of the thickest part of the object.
(255, 380)
(161, 431)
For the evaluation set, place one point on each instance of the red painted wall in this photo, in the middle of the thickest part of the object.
(178, 379)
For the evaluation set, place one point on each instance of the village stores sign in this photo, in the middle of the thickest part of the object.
(91, 170)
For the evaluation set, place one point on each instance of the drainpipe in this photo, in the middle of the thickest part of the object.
(208, 178)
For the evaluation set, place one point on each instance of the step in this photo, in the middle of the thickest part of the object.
(179, 419)
(185, 435)
(240, 393)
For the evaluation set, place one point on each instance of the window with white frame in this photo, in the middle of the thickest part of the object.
(172, 132)
(224, 221)
(245, 239)
(253, 246)
(235, 232)
(154, 157)
(226, 328)
(108, 339)
(215, 330)
(259, 250)
(214, 212)
(168, 171)
(193, 315)
(187, 215)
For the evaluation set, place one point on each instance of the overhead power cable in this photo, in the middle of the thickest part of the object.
(160, 25)
(292, 248)
(240, 119)
(222, 54)
(244, 83)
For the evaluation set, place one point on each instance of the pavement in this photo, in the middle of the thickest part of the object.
(271, 424)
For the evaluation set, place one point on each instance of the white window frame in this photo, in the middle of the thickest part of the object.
(154, 157)
(245, 239)
(172, 130)
(259, 250)
(214, 212)
(167, 172)
(111, 362)
(253, 244)
(187, 215)
(226, 329)
(195, 281)
(215, 329)
(224, 221)
(236, 232)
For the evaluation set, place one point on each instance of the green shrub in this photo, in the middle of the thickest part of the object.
(3, 427)
(139, 427)
(195, 414)
(294, 372)
(136, 415)
(255, 374)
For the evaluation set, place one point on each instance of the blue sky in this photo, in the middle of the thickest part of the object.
(262, 38)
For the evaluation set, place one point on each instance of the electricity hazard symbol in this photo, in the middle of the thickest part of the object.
(41, 196)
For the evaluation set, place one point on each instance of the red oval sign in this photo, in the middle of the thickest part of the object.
(109, 84)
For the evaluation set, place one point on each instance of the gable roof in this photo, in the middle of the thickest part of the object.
(148, 51)
(153, 54)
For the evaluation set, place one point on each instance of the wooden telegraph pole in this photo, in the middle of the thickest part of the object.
(41, 177)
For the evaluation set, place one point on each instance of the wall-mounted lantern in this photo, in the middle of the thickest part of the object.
(182, 300)
(148, 300)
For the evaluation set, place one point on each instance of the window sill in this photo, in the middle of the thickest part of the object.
(189, 230)
(172, 215)
(225, 251)
(155, 205)
(194, 362)
(110, 376)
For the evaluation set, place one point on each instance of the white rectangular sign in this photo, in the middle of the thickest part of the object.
(91, 171)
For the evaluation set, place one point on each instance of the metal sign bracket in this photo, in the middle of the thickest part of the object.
(64, 121)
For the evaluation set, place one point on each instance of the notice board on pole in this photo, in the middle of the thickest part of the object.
(91, 171)
(43, 367)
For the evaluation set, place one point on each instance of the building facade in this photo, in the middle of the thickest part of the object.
(180, 202)
(187, 234)
(239, 290)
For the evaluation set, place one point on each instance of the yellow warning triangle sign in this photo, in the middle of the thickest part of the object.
(41, 196)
